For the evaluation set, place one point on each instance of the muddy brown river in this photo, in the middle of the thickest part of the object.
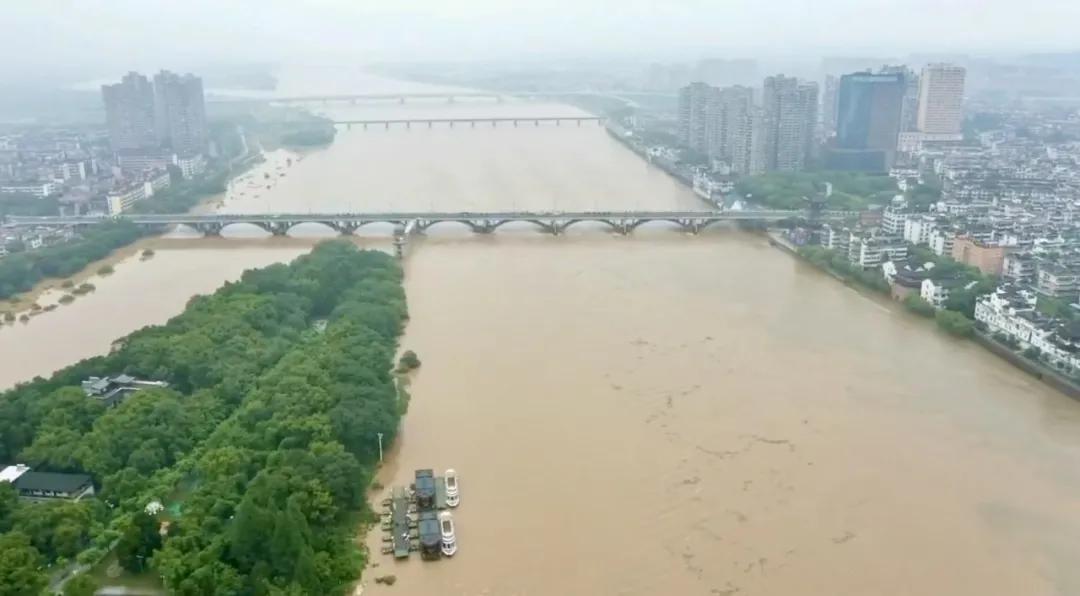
(655, 414)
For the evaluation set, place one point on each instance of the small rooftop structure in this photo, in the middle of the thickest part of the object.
(11, 473)
(113, 390)
(50, 485)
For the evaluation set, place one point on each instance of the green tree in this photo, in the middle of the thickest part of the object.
(9, 503)
(81, 585)
(138, 542)
(954, 323)
(20, 566)
(914, 303)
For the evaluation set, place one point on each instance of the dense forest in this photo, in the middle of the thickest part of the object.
(20, 271)
(261, 447)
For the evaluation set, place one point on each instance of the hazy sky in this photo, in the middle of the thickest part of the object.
(109, 35)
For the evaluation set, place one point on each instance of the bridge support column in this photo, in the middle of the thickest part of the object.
(345, 228)
(279, 229)
(579, 123)
(365, 126)
(536, 122)
(408, 125)
(401, 99)
(558, 122)
(210, 229)
(387, 126)
(473, 123)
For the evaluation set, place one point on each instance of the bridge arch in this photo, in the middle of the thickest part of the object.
(218, 228)
(614, 225)
(648, 220)
(422, 225)
(548, 227)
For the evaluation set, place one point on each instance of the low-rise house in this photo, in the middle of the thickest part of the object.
(113, 390)
(44, 486)
(1058, 281)
(906, 278)
(937, 291)
(1019, 267)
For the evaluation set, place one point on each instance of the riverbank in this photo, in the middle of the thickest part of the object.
(671, 169)
(329, 321)
(1038, 370)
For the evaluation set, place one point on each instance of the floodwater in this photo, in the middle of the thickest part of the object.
(654, 414)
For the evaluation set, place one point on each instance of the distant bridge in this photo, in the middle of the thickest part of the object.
(430, 122)
(358, 97)
(279, 224)
(448, 97)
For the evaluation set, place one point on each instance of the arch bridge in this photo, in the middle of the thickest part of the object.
(552, 222)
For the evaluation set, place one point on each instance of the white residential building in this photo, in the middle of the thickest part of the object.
(191, 166)
(918, 228)
(37, 189)
(941, 241)
(941, 100)
(892, 221)
(1012, 313)
(937, 292)
(122, 199)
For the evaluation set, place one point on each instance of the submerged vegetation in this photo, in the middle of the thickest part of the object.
(19, 272)
(265, 439)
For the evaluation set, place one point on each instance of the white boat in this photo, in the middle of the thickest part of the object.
(453, 494)
(449, 540)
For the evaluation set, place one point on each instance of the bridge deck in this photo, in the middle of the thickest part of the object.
(478, 119)
(404, 217)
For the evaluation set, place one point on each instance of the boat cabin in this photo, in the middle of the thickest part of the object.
(425, 489)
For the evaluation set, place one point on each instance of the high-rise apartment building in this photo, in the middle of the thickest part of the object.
(941, 99)
(868, 121)
(789, 118)
(909, 113)
(740, 124)
(129, 113)
(829, 99)
(180, 112)
(696, 103)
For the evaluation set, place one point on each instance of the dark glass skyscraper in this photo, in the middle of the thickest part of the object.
(867, 121)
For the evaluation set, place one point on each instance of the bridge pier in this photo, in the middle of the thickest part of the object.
(408, 125)
(210, 230)
(345, 228)
(387, 126)
(401, 100)
(365, 126)
(536, 122)
(473, 123)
